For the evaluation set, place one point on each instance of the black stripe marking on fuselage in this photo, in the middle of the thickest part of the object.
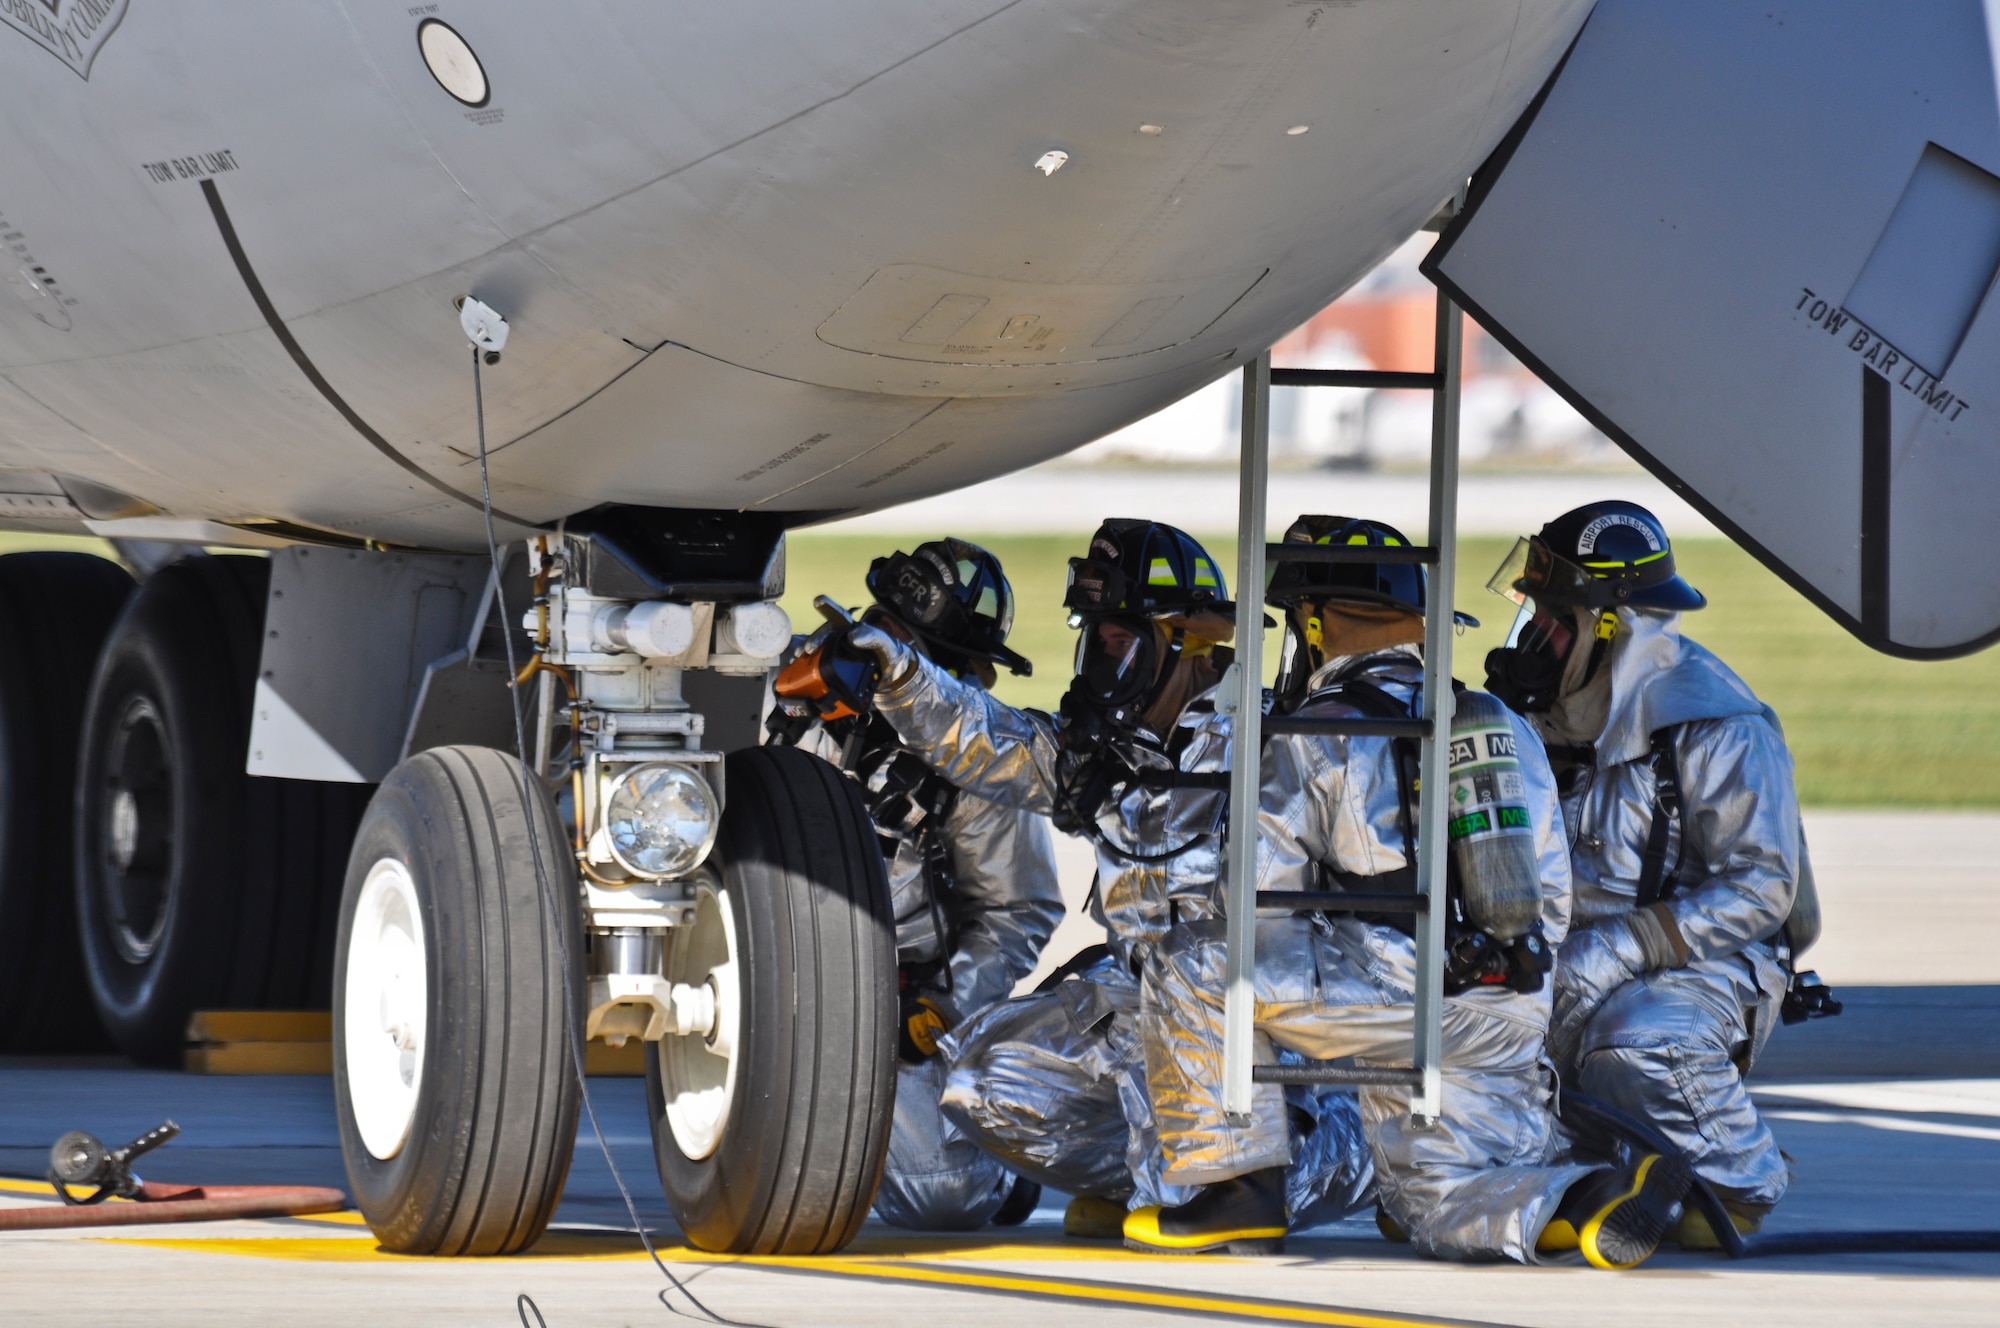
(312, 373)
(1875, 458)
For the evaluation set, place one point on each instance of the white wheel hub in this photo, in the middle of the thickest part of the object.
(385, 1004)
(698, 1068)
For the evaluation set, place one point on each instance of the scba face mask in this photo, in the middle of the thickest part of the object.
(1527, 672)
(1117, 663)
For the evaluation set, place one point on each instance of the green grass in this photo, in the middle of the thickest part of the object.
(1867, 730)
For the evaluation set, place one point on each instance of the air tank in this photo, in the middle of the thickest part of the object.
(1492, 837)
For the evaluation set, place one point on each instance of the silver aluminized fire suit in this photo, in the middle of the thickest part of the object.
(1667, 1029)
(1485, 1180)
(1005, 904)
(1054, 1083)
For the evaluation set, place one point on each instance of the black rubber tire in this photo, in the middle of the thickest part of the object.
(489, 1146)
(59, 607)
(802, 1148)
(239, 877)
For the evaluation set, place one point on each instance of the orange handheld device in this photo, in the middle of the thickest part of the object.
(827, 677)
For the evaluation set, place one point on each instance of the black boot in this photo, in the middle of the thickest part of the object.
(1243, 1215)
(1019, 1205)
(1618, 1217)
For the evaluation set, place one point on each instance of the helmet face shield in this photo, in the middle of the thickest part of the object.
(1533, 570)
(1538, 629)
(1513, 570)
(1094, 586)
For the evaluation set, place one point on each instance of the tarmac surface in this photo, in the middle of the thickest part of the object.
(1891, 1113)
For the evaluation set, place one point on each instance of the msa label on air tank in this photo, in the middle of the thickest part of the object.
(1465, 749)
(73, 31)
(1488, 794)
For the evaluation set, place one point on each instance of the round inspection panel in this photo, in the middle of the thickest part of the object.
(452, 62)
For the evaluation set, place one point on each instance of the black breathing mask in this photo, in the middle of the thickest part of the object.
(1118, 670)
(1527, 673)
(1118, 661)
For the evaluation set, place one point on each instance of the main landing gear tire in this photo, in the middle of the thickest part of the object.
(459, 994)
(197, 887)
(770, 1131)
(59, 607)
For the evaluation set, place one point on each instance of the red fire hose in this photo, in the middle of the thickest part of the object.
(158, 1201)
(121, 1199)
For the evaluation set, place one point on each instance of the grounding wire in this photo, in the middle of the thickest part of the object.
(528, 779)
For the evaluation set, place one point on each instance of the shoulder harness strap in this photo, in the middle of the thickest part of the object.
(1373, 701)
(1656, 880)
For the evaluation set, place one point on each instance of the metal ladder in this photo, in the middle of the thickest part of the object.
(1432, 729)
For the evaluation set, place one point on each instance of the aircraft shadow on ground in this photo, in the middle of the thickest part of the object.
(1854, 1173)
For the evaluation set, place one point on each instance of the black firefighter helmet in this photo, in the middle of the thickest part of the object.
(953, 596)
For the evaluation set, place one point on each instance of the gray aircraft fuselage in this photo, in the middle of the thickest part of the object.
(798, 257)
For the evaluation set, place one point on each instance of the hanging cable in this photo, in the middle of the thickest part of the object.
(548, 890)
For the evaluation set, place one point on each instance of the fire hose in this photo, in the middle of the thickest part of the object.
(81, 1160)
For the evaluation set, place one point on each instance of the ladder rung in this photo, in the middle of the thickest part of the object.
(1350, 726)
(1349, 553)
(1425, 382)
(1343, 901)
(1323, 1072)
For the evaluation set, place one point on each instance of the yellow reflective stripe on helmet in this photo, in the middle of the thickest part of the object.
(1634, 562)
(1161, 573)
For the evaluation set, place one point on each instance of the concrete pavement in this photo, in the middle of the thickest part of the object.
(1892, 1112)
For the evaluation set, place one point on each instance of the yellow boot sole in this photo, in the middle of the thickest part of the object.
(1625, 1232)
(1142, 1233)
(1694, 1232)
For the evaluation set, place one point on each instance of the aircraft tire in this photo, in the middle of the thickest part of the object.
(786, 1160)
(453, 1071)
(206, 889)
(59, 608)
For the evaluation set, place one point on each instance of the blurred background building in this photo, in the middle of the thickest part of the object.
(1508, 416)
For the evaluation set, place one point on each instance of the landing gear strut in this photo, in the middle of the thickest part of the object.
(730, 910)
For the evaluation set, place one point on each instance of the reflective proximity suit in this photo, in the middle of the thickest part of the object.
(1484, 1181)
(1002, 905)
(1054, 1083)
(1663, 1015)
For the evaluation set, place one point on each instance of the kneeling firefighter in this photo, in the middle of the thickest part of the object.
(972, 881)
(1337, 813)
(1692, 893)
(1136, 762)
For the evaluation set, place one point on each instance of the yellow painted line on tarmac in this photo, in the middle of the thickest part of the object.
(620, 1245)
(1108, 1293)
(41, 1189)
(911, 1267)
(361, 1248)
